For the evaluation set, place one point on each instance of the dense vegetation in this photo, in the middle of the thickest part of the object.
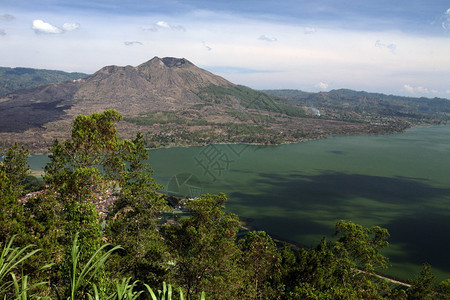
(248, 99)
(280, 116)
(344, 104)
(15, 79)
(64, 242)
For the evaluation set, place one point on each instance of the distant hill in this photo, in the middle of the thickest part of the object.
(15, 79)
(360, 100)
(173, 102)
(345, 104)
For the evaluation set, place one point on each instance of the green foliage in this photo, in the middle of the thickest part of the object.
(11, 212)
(361, 245)
(444, 289)
(249, 99)
(80, 171)
(201, 252)
(125, 290)
(94, 144)
(394, 112)
(423, 285)
(317, 267)
(133, 219)
(166, 293)
(169, 117)
(10, 260)
(204, 250)
(15, 166)
(261, 259)
(14, 79)
(343, 269)
(81, 275)
(44, 223)
(22, 288)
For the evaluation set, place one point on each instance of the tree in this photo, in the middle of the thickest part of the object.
(44, 222)
(11, 212)
(261, 261)
(444, 289)
(15, 166)
(318, 267)
(95, 164)
(423, 286)
(133, 221)
(358, 250)
(204, 249)
(343, 269)
(81, 169)
(361, 245)
(13, 170)
(79, 172)
(94, 144)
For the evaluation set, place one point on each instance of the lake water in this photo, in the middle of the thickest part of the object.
(298, 192)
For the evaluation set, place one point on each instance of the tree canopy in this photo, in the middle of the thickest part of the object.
(206, 252)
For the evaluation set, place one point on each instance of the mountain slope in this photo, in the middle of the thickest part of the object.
(159, 84)
(173, 102)
(344, 104)
(15, 79)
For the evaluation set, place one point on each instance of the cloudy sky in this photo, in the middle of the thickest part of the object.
(390, 46)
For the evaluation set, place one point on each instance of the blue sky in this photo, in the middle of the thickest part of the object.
(394, 47)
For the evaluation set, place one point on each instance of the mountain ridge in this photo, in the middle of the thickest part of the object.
(173, 102)
(20, 78)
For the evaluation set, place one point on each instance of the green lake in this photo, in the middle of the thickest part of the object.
(297, 192)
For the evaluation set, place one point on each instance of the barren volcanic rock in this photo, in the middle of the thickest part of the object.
(169, 100)
(159, 84)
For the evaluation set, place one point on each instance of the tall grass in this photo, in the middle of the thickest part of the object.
(17, 287)
(88, 271)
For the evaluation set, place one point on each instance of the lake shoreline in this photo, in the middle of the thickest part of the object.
(297, 191)
(301, 140)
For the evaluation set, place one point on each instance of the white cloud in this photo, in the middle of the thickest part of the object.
(267, 38)
(206, 46)
(447, 92)
(391, 47)
(419, 90)
(40, 26)
(446, 20)
(341, 58)
(70, 26)
(408, 88)
(132, 43)
(310, 30)
(2, 32)
(322, 85)
(6, 17)
(163, 25)
(422, 90)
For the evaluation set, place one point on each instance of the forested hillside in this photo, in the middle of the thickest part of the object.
(395, 112)
(100, 229)
(16, 79)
